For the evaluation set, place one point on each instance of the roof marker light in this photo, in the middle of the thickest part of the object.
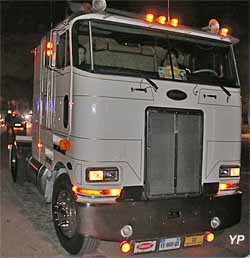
(149, 17)
(224, 32)
(162, 19)
(173, 22)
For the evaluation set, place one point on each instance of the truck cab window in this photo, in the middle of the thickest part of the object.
(81, 49)
(204, 61)
(62, 51)
(126, 50)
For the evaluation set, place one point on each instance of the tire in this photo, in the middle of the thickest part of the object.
(17, 166)
(63, 200)
(13, 163)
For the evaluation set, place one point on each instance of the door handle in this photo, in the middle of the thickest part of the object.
(209, 96)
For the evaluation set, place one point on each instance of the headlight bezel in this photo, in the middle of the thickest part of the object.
(230, 171)
(109, 174)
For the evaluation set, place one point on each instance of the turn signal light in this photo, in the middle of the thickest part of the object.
(125, 247)
(209, 237)
(64, 145)
(149, 17)
(100, 193)
(49, 50)
(224, 187)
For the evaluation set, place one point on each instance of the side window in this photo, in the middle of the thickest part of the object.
(80, 45)
(62, 51)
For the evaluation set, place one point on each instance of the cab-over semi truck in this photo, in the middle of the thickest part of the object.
(136, 131)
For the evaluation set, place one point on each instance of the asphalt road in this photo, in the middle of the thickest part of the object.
(27, 229)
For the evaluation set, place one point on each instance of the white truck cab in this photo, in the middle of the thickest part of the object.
(136, 131)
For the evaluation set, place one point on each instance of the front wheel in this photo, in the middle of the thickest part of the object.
(65, 220)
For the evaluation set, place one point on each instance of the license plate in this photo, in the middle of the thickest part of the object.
(17, 124)
(193, 240)
(170, 243)
(144, 247)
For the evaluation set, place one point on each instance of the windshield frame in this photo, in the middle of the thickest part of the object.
(168, 34)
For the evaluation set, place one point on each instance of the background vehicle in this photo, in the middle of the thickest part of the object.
(19, 122)
(126, 150)
(2, 122)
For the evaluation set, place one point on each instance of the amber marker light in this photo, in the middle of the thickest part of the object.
(49, 49)
(99, 193)
(39, 145)
(149, 17)
(64, 145)
(174, 22)
(162, 19)
(125, 247)
(209, 237)
(224, 32)
(228, 186)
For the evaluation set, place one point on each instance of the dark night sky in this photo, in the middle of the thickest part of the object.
(25, 22)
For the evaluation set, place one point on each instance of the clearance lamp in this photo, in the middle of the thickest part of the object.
(162, 19)
(49, 48)
(224, 32)
(174, 22)
(149, 17)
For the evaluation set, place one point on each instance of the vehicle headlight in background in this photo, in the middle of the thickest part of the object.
(229, 171)
(102, 174)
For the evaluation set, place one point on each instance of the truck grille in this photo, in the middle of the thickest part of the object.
(173, 152)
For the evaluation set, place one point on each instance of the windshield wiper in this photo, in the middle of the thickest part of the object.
(225, 90)
(154, 86)
(151, 83)
(131, 73)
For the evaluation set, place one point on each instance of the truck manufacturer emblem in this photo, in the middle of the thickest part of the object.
(176, 95)
(144, 246)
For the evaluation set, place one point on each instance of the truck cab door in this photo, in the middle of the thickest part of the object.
(62, 83)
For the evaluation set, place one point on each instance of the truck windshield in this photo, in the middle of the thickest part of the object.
(129, 50)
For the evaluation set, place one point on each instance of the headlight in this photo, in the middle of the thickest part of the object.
(102, 174)
(229, 171)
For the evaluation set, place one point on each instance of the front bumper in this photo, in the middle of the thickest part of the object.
(158, 218)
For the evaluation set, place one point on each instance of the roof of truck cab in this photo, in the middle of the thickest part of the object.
(180, 29)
